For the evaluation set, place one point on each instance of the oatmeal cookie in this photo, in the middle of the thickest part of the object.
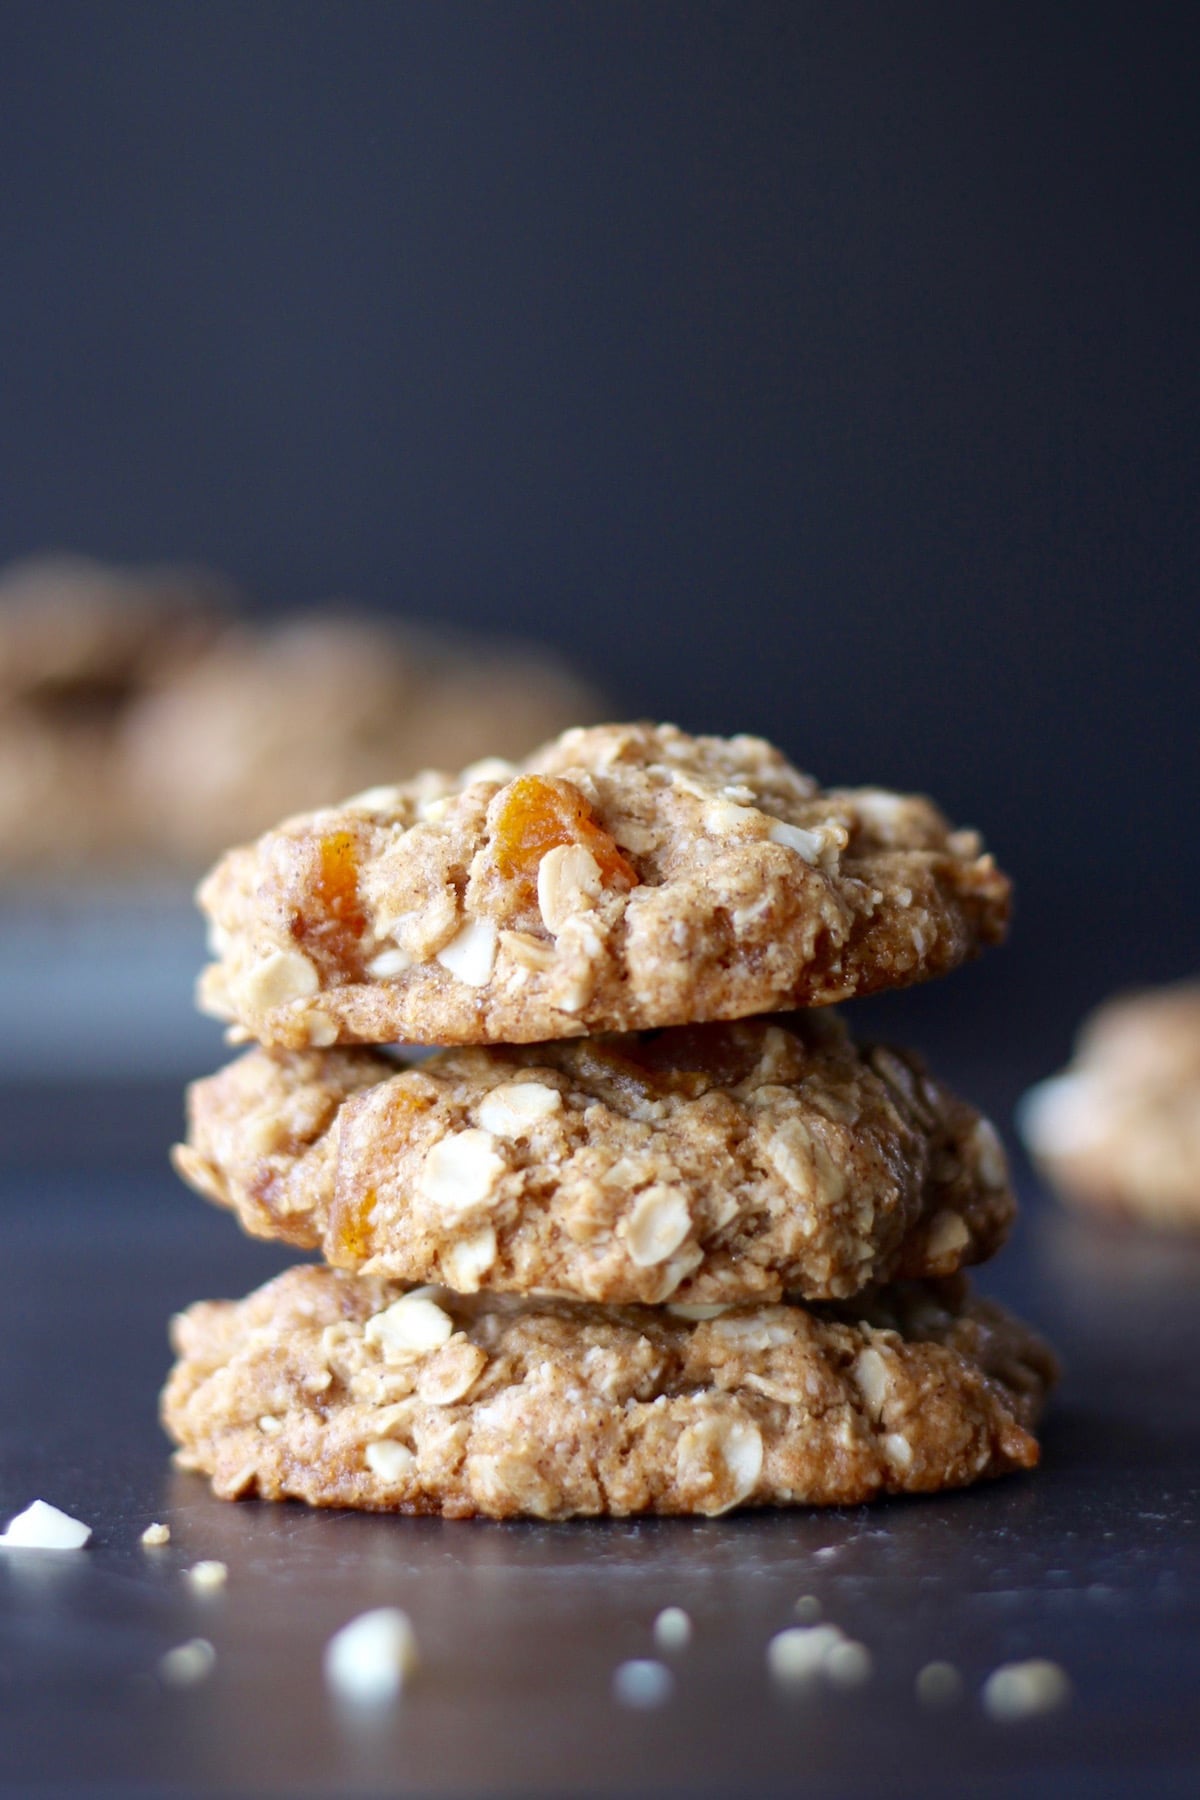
(622, 877)
(1119, 1130)
(78, 634)
(722, 1162)
(81, 646)
(346, 1390)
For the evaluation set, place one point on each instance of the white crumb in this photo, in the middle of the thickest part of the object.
(44, 1527)
(369, 1660)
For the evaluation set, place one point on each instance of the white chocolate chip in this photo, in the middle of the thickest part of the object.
(718, 1461)
(207, 1576)
(948, 1235)
(392, 1462)
(408, 1327)
(897, 1449)
(43, 1527)
(569, 882)
(939, 1684)
(270, 1425)
(509, 1111)
(656, 1226)
(389, 963)
(155, 1536)
(461, 1172)
(989, 1155)
(468, 1259)
(870, 1374)
(796, 1656)
(1022, 1690)
(187, 1664)
(369, 1660)
(673, 1629)
(470, 956)
(319, 1029)
(642, 1683)
(1065, 1115)
(848, 1664)
(279, 979)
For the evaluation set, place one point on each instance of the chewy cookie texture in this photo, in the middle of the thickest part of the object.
(344, 1390)
(705, 1163)
(620, 878)
(677, 1246)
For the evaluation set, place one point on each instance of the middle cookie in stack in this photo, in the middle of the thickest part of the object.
(648, 1198)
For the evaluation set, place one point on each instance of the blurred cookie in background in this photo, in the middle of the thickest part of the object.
(81, 647)
(1119, 1129)
(304, 712)
(145, 724)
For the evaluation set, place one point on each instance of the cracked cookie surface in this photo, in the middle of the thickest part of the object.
(715, 1163)
(622, 877)
(344, 1390)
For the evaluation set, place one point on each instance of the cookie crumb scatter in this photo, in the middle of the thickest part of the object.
(155, 1536)
(799, 1655)
(807, 1609)
(643, 1683)
(1026, 1689)
(848, 1665)
(43, 1527)
(939, 1684)
(188, 1664)
(673, 1629)
(368, 1661)
(208, 1575)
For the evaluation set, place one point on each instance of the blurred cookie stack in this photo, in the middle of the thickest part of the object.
(641, 1236)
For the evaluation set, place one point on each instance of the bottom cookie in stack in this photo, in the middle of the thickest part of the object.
(751, 1232)
(345, 1390)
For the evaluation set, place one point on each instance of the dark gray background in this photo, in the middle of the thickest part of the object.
(822, 370)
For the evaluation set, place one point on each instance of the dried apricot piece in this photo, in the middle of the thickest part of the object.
(352, 1236)
(336, 882)
(541, 812)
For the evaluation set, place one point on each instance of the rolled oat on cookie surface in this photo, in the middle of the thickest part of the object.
(345, 1390)
(622, 877)
(713, 1163)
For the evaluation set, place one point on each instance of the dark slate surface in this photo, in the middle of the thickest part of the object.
(1093, 1561)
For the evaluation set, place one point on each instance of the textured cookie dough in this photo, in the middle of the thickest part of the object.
(723, 1162)
(1120, 1129)
(623, 877)
(344, 1390)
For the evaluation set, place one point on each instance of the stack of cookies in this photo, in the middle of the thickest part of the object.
(642, 1236)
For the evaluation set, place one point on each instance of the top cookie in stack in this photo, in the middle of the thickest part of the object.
(622, 878)
(699, 1259)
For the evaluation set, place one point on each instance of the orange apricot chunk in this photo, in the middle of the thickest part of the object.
(541, 812)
